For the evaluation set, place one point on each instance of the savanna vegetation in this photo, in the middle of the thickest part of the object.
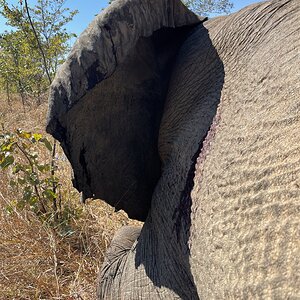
(51, 246)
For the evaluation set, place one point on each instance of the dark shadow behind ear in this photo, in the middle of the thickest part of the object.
(107, 99)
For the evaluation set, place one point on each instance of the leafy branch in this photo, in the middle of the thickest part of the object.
(35, 179)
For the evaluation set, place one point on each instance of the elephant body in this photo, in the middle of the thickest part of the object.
(245, 201)
(205, 126)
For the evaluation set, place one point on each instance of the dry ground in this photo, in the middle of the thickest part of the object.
(36, 262)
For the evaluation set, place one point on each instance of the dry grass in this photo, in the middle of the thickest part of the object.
(37, 262)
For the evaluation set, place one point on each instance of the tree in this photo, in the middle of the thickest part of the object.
(205, 7)
(20, 70)
(37, 45)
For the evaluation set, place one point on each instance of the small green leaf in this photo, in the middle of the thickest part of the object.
(17, 168)
(32, 178)
(46, 143)
(7, 162)
(20, 205)
(49, 194)
(43, 168)
(12, 183)
(27, 193)
(21, 180)
(24, 134)
(33, 200)
(7, 146)
(37, 136)
(9, 209)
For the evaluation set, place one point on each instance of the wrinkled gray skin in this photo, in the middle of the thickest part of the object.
(193, 126)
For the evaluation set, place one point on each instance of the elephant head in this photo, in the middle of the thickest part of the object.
(107, 100)
(192, 126)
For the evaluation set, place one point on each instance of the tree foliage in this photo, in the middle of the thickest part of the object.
(18, 153)
(32, 177)
(22, 67)
(206, 7)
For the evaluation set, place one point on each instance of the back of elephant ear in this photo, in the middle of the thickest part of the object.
(107, 42)
(126, 53)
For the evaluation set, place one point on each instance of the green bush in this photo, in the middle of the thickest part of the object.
(32, 177)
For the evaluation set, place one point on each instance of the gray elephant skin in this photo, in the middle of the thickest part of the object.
(193, 126)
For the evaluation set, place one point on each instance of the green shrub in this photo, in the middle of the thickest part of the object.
(32, 177)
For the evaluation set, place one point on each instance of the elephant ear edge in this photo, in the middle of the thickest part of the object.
(104, 45)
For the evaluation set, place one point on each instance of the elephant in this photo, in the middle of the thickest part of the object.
(190, 125)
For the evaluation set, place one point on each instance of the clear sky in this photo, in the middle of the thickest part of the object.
(89, 8)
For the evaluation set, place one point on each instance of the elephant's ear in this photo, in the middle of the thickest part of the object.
(108, 95)
(105, 44)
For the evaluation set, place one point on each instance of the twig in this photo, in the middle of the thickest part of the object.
(38, 41)
(55, 261)
(53, 183)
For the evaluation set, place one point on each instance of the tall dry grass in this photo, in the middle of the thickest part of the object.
(37, 261)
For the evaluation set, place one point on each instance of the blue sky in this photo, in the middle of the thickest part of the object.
(89, 8)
